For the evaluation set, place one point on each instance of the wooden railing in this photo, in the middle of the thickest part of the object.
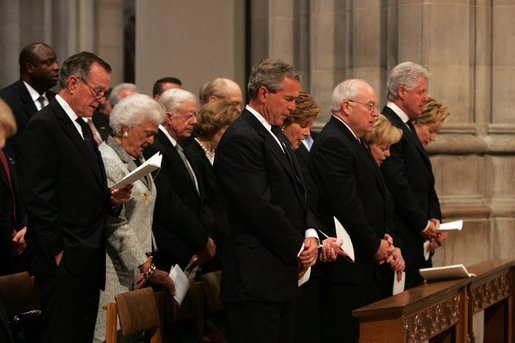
(443, 311)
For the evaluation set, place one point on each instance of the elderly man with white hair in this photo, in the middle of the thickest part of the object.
(182, 220)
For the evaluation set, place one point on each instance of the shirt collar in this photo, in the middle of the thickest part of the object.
(34, 93)
(348, 127)
(167, 134)
(71, 113)
(260, 118)
(400, 113)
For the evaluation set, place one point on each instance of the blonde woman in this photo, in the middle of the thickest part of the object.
(430, 122)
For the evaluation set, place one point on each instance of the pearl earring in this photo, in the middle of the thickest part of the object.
(125, 134)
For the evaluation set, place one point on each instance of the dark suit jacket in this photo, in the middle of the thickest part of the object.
(7, 220)
(212, 194)
(409, 176)
(351, 189)
(18, 98)
(268, 213)
(66, 196)
(101, 121)
(182, 221)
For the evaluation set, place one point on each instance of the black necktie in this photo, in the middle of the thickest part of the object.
(88, 138)
(280, 136)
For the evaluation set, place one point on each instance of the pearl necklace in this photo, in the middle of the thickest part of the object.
(209, 153)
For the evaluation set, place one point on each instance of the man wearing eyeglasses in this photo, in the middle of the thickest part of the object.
(67, 201)
(408, 171)
(183, 221)
(350, 189)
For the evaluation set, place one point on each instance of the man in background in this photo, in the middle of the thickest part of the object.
(39, 71)
(164, 84)
(221, 88)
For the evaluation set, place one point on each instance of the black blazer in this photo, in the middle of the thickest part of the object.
(8, 222)
(66, 196)
(18, 98)
(101, 121)
(212, 194)
(409, 176)
(268, 213)
(351, 189)
(182, 221)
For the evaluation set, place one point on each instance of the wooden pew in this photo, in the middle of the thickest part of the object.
(492, 291)
(442, 311)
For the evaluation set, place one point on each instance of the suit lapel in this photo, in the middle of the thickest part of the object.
(363, 154)
(29, 105)
(410, 136)
(176, 160)
(74, 135)
(273, 147)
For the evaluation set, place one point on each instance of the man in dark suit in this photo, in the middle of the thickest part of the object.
(408, 171)
(67, 201)
(272, 238)
(182, 220)
(39, 71)
(350, 188)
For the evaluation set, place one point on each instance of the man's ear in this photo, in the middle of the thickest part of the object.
(401, 92)
(73, 83)
(263, 93)
(345, 108)
(29, 67)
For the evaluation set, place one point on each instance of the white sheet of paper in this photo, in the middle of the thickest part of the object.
(427, 253)
(182, 285)
(342, 234)
(146, 168)
(450, 226)
(305, 277)
(398, 286)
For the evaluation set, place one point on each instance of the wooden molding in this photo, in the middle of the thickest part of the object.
(490, 292)
(432, 320)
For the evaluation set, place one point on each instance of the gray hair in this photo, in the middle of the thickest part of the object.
(406, 74)
(80, 65)
(270, 73)
(173, 98)
(348, 89)
(117, 90)
(135, 110)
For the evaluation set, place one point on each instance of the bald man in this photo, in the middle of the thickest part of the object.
(221, 88)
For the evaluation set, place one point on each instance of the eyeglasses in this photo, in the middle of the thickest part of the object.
(187, 116)
(371, 106)
(98, 95)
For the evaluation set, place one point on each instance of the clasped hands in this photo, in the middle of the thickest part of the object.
(205, 254)
(308, 256)
(331, 249)
(388, 253)
(433, 234)
(18, 243)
